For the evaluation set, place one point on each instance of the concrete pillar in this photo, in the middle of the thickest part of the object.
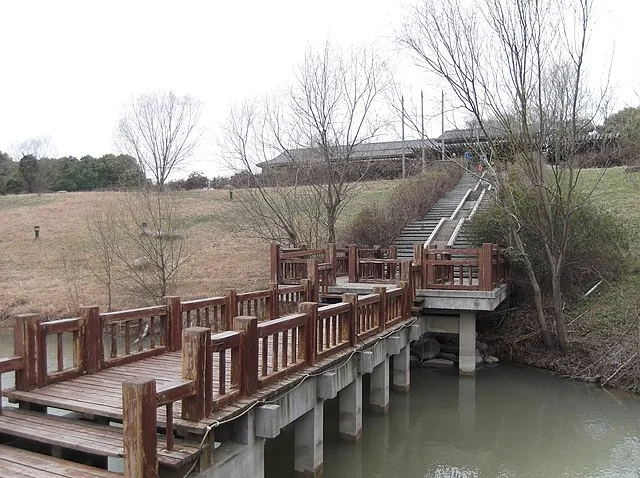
(351, 410)
(401, 373)
(308, 442)
(247, 460)
(379, 397)
(467, 336)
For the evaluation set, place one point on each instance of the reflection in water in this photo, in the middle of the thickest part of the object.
(507, 422)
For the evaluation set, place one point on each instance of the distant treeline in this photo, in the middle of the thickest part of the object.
(197, 180)
(32, 175)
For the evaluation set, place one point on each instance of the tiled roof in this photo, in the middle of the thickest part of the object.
(363, 152)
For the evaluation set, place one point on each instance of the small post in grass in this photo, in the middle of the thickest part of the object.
(36, 229)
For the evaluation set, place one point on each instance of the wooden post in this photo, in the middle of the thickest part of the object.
(312, 274)
(139, 421)
(93, 351)
(232, 308)
(332, 258)
(417, 254)
(382, 306)
(273, 302)
(353, 264)
(174, 323)
(406, 275)
(350, 329)
(26, 345)
(308, 292)
(275, 263)
(196, 366)
(310, 341)
(249, 327)
(393, 252)
(428, 278)
(417, 260)
(485, 273)
(41, 356)
(406, 304)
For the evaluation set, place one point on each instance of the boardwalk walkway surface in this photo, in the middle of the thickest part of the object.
(17, 463)
(153, 385)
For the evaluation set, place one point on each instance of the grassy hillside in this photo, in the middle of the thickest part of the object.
(604, 327)
(50, 275)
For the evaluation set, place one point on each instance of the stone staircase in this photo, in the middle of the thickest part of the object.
(419, 231)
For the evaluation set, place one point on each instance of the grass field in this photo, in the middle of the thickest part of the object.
(50, 275)
(604, 326)
(617, 193)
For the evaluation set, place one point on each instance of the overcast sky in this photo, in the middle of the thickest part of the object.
(67, 67)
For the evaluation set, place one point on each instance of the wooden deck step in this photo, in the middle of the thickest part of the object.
(83, 436)
(17, 463)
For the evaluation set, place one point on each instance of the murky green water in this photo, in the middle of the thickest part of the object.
(505, 422)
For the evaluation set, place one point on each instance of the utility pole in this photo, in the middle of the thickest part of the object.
(422, 131)
(442, 117)
(404, 169)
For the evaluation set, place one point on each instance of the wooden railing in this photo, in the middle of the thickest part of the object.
(335, 329)
(14, 363)
(483, 268)
(370, 317)
(211, 312)
(281, 347)
(226, 349)
(289, 266)
(134, 334)
(59, 328)
(465, 269)
(262, 303)
(217, 368)
(289, 296)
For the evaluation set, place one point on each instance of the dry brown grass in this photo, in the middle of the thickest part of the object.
(50, 275)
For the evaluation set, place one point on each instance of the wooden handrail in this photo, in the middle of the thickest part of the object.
(10, 364)
(288, 336)
(59, 328)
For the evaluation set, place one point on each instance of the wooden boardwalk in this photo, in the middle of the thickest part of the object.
(150, 384)
(17, 463)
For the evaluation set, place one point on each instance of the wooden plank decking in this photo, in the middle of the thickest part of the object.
(100, 394)
(17, 463)
(86, 437)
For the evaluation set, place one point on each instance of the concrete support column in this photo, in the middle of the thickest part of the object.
(401, 372)
(351, 410)
(467, 336)
(308, 442)
(379, 397)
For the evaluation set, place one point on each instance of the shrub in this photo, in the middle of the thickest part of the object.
(411, 200)
(596, 245)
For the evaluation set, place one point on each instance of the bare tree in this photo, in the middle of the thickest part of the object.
(38, 147)
(150, 244)
(161, 131)
(531, 106)
(102, 225)
(297, 149)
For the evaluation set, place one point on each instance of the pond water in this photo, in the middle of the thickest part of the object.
(507, 421)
